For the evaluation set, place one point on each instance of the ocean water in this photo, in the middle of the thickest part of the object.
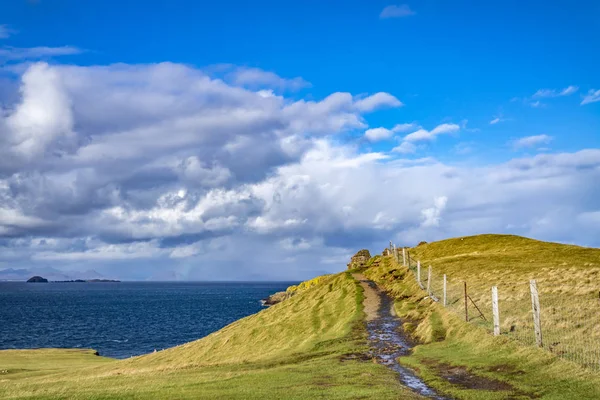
(122, 319)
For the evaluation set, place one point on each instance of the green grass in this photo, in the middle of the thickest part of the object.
(567, 278)
(448, 343)
(302, 348)
(312, 345)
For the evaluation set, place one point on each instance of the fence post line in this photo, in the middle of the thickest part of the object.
(495, 311)
(404, 257)
(444, 290)
(466, 303)
(535, 306)
(419, 273)
(429, 281)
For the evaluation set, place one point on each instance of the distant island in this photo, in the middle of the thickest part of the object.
(39, 279)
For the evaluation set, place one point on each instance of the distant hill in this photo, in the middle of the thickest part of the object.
(52, 274)
(37, 279)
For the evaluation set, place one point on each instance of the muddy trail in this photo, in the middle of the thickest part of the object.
(387, 338)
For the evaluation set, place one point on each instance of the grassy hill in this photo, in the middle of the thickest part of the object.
(305, 347)
(567, 278)
(313, 344)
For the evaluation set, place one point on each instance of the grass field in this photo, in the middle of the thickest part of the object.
(313, 344)
(452, 348)
(568, 279)
(303, 348)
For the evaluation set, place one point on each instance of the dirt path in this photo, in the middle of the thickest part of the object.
(372, 301)
(386, 336)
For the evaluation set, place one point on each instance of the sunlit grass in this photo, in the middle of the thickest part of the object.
(568, 280)
(299, 349)
(447, 339)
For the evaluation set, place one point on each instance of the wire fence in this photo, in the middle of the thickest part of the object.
(565, 321)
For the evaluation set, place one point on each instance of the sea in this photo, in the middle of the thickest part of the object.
(123, 319)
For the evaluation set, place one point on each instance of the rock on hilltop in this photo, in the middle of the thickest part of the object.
(360, 259)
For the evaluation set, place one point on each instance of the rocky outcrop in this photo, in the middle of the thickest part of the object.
(37, 279)
(275, 298)
(359, 260)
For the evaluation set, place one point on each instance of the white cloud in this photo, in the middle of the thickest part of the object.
(405, 148)
(30, 53)
(531, 141)
(396, 11)
(376, 134)
(542, 93)
(495, 121)
(432, 216)
(255, 77)
(111, 252)
(44, 115)
(425, 135)
(377, 100)
(592, 97)
(569, 90)
(165, 164)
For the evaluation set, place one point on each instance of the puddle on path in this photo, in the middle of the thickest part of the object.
(388, 342)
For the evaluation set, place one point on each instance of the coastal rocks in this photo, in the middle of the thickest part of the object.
(37, 279)
(360, 259)
(275, 298)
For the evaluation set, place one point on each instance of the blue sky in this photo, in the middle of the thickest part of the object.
(475, 90)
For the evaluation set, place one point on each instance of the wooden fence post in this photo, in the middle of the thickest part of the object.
(395, 254)
(466, 304)
(404, 257)
(444, 290)
(429, 281)
(419, 273)
(535, 306)
(495, 311)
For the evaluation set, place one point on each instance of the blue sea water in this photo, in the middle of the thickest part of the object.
(122, 319)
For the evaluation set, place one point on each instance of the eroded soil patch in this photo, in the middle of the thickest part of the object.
(460, 376)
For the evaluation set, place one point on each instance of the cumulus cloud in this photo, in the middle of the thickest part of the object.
(405, 148)
(376, 101)
(256, 77)
(531, 141)
(425, 135)
(431, 216)
(376, 134)
(43, 116)
(396, 11)
(162, 170)
(592, 97)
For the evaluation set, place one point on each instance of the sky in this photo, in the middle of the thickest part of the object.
(271, 140)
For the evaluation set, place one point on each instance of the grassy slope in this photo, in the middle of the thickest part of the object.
(296, 349)
(567, 278)
(507, 261)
